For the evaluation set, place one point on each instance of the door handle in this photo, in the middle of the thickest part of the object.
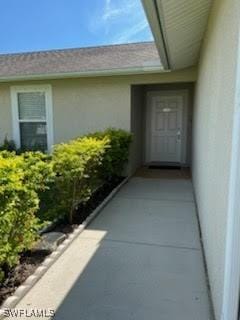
(179, 134)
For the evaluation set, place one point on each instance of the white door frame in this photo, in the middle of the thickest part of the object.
(185, 109)
(232, 252)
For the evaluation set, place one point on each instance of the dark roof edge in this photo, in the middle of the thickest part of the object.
(78, 48)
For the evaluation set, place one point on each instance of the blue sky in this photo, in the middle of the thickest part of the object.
(30, 25)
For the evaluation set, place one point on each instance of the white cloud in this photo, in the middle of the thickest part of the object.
(111, 12)
(129, 34)
(120, 21)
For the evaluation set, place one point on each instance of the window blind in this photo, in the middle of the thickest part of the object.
(31, 106)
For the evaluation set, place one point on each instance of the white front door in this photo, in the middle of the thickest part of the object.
(165, 128)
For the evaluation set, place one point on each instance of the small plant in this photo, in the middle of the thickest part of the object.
(8, 145)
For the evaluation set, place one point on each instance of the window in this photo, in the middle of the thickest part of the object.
(32, 117)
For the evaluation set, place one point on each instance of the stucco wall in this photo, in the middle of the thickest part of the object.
(83, 106)
(88, 104)
(137, 126)
(79, 106)
(213, 119)
(5, 112)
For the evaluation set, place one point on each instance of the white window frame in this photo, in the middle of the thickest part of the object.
(47, 90)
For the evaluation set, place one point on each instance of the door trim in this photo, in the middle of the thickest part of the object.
(185, 108)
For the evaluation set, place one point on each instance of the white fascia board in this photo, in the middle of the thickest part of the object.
(151, 10)
(115, 72)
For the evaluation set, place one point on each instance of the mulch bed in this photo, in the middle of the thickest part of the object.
(29, 261)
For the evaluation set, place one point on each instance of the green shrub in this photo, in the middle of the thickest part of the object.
(8, 145)
(80, 166)
(77, 165)
(116, 156)
(21, 178)
(55, 183)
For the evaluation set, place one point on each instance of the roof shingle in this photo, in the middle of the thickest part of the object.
(80, 60)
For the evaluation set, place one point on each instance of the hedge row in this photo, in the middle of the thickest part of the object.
(21, 179)
(35, 187)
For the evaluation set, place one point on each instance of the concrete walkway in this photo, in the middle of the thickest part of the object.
(140, 259)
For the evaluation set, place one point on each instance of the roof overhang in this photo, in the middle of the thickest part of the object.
(87, 74)
(178, 28)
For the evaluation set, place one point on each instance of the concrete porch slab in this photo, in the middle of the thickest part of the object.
(145, 172)
(139, 259)
(128, 281)
(158, 189)
(166, 223)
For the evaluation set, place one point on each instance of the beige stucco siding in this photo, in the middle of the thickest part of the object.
(5, 112)
(213, 119)
(85, 106)
(88, 104)
(137, 126)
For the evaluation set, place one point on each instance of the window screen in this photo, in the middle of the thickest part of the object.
(33, 136)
